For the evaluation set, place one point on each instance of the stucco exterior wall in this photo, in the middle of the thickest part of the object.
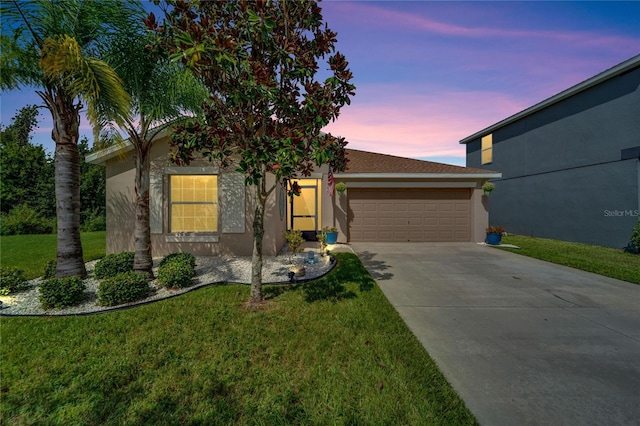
(341, 208)
(479, 214)
(566, 170)
(235, 230)
(120, 204)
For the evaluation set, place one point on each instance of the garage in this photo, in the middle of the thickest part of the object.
(403, 214)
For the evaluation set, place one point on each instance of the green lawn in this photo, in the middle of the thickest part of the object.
(332, 351)
(32, 252)
(600, 260)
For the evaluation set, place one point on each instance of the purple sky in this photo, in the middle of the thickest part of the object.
(431, 73)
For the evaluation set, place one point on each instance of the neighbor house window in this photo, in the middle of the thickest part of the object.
(487, 149)
(193, 203)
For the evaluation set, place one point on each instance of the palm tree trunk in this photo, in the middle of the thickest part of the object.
(143, 262)
(258, 234)
(66, 123)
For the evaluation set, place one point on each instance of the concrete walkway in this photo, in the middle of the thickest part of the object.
(524, 342)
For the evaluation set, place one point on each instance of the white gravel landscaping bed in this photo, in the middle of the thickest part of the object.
(209, 270)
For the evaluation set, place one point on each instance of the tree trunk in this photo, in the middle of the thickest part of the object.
(143, 262)
(258, 234)
(66, 123)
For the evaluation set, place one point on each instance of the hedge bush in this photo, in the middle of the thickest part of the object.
(50, 270)
(179, 257)
(61, 292)
(25, 220)
(12, 280)
(94, 223)
(114, 264)
(122, 288)
(635, 236)
(176, 274)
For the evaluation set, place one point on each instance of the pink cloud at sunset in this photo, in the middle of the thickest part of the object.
(371, 14)
(419, 125)
(429, 73)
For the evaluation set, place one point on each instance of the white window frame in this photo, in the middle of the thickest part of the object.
(190, 237)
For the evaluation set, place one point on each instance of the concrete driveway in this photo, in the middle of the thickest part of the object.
(521, 340)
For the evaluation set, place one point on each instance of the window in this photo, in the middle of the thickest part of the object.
(193, 204)
(487, 149)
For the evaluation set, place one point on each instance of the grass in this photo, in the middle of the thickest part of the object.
(32, 252)
(605, 261)
(332, 351)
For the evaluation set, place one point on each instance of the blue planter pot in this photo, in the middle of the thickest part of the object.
(332, 237)
(493, 239)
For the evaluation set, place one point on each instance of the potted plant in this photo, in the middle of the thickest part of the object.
(330, 234)
(341, 187)
(487, 187)
(494, 235)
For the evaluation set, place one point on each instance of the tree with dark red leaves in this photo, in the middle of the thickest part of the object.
(266, 108)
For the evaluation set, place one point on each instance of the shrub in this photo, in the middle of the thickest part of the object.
(12, 280)
(294, 240)
(25, 220)
(635, 236)
(113, 264)
(180, 257)
(50, 270)
(95, 222)
(61, 292)
(122, 288)
(177, 273)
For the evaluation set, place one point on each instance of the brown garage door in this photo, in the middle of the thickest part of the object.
(409, 214)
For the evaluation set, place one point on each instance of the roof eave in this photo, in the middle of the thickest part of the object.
(580, 87)
(121, 148)
(488, 175)
(106, 154)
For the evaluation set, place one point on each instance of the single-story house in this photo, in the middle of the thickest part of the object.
(570, 164)
(204, 210)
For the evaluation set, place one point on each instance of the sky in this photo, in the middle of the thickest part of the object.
(430, 73)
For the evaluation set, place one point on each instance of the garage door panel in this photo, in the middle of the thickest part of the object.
(430, 235)
(409, 215)
(383, 235)
(415, 221)
(370, 221)
(460, 235)
(400, 236)
(385, 221)
(445, 235)
(462, 222)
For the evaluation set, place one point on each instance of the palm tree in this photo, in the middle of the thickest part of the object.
(55, 47)
(162, 93)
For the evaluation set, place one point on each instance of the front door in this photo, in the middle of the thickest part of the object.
(305, 214)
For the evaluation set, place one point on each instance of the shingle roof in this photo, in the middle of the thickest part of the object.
(371, 162)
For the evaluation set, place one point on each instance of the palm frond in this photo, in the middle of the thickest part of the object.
(87, 78)
(162, 91)
(16, 64)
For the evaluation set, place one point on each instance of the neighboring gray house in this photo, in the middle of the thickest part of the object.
(570, 164)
